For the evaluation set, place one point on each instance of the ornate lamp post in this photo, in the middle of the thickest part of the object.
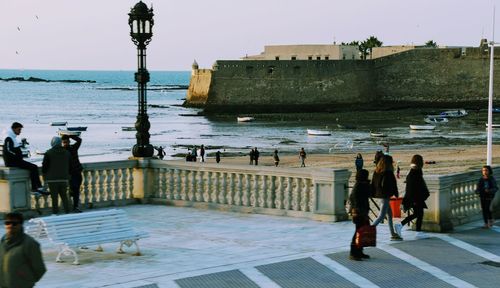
(141, 30)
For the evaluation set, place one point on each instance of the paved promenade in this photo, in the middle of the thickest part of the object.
(199, 248)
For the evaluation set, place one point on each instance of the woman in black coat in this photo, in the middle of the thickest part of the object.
(415, 195)
(359, 210)
(486, 188)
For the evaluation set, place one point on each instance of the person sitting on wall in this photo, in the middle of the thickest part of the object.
(13, 157)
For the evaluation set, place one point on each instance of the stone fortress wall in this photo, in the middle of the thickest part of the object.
(444, 77)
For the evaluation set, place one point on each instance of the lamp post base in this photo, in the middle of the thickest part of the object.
(143, 150)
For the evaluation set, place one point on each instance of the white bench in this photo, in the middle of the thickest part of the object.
(84, 229)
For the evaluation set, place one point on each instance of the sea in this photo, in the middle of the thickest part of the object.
(109, 102)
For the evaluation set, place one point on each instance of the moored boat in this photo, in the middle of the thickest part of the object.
(422, 127)
(318, 132)
(77, 128)
(69, 133)
(127, 128)
(59, 123)
(454, 113)
(245, 119)
(493, 125)
(436, 120)
(377, 134)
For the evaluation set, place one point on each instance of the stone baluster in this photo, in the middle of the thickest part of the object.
(185, 185)
(271, 194)
(246, 191)
(216, 193)
(100, 186)
(209, 188)
(170, 190)
(116, 184)
(279, 201)
(231, 192)
(239, 190)
(124, 181)
(304, 199)
(200, 187)
(288, 194)
(93, 186)
(130, 184)
(109, 187)
(178, 184)
(223, 194)
(263, 192)
(296, 194)
(254, 193)
(192, 186)
(86, 189)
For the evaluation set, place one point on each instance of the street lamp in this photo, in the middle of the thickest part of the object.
(141, 30)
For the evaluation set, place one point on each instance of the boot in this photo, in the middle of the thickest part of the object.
(355, 253)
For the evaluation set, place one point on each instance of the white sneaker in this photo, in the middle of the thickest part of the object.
(398, 227)
(421, 235)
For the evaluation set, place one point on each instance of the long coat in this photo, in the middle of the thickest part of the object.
(416, 190)
(21, 262)
(492, 183)
(359, 200)
(384, 185)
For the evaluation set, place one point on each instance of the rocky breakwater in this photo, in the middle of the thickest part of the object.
(35, 79)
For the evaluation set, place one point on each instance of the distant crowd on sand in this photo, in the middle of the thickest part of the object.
(383, 186)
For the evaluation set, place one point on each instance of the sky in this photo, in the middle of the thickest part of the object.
(94, 34)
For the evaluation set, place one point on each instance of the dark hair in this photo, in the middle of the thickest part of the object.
(15, 216)
(379, 154)
(362, 175)
(417, 160)
(385, 164)
(489, 169)
(64, 137)
(16, 125)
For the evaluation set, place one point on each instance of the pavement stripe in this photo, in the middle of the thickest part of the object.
(472, 249)
(344, 271)
(392, 273)
(496, 229)
(259, 278)
(305, 272)
(227, 279)
(453, 260)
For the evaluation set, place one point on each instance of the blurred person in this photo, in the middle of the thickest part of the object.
(56, 170)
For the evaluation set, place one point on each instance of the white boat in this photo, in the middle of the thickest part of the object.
(69, 133)
(436, 120)
(422, 127)
(377, 134)
(245, 119)
(454, 113)
(318, 132)
(126, 128)
(59, 123)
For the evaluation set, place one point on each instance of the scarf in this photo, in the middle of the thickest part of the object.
(13, 136)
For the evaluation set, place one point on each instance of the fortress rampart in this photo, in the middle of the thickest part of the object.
(449, 77)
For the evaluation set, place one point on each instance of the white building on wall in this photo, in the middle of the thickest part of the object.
(307, 52)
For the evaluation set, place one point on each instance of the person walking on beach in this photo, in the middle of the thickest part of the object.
(302, 156)
(252, 156)
(161, 152)
(217, 156)
(256, 154)
(486, 189)
(359, 210)
(13, 157)
(276, 158)
(21, 261)
(384, 186)
(202, 153)
(415, 195)
(56, 171)
(359, 162)
(76, 169)
(194, 154)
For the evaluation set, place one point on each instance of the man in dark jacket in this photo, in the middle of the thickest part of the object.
(21, 261)
(13, 157)
(55, 168)
(75, 169)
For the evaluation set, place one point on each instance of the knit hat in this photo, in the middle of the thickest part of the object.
(56, 141)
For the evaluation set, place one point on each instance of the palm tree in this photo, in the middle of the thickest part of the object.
(369, 43)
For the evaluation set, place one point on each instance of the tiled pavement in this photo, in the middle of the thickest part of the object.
(213, 249)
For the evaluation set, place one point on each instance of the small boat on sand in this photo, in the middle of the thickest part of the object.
(377, 134)
(245, 119)
(422, 127)
(77, 128)
(62, 132)
(454, 113)
(493, 125)
(128, 128)
(313, 132)
(59, 123)
(436, 120)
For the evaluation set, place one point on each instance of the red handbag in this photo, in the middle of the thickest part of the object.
(366, 236)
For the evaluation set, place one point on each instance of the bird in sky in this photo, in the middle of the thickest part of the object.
(18, 29)
(17, 53)
(36, 16)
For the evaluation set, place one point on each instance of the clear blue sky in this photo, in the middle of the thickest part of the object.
(94, 34)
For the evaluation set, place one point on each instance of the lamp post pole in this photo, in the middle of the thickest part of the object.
(141, 24)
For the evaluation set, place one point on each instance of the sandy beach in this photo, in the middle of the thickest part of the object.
(453, 159)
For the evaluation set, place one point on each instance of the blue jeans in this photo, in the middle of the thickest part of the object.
(385, 209)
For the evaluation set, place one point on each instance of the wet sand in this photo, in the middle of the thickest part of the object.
(453, 159)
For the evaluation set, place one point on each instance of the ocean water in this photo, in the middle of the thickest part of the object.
(111, 102)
